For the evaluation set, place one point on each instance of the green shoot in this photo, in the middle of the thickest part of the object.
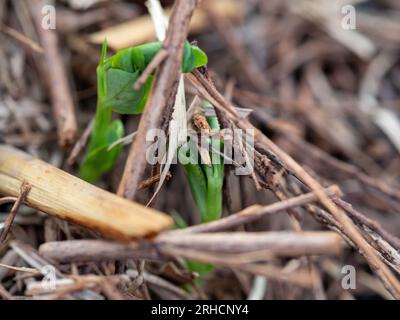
(116, 77)
(98, 158)
(206, 181)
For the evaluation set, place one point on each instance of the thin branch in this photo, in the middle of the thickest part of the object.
(5, 294)
(80, 144)
(24, 190)
(60, 91)
(159, 57)
(255, 212)
(6, 200)
(152, 180)
(163, 93)
(284, 243)
(22, 39)
(262, 245)
(96, 250)
(247, 63)
(369, 223)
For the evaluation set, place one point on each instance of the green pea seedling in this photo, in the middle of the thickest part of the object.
(206, 180)
(116, 77)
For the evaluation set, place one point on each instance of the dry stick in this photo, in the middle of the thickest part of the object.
(22, 39)
(383, 241)
(110, 290)
(67, 197)
(298, 278)
(282, 243)
(159, 282)
(270, 244)
(4, 293)
(361, 219)
(9, 258)
(387, 253)
(255, 212)
(80, 144)
(152, 180)
(35, 260)
(163, 93)
(209, 92)
(6, 200)
(25, 188)
(77, 282)
(159, 57)
(96, 250)
(340, 165)
(20, 269)
(246, 62)
(63, 106)
(296, 225)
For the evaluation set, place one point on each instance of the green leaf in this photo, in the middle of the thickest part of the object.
(201, 57)
(122, 60)
(137, 59)
(189, 59)
(199, 267)
(121, 97)
(149, 50)
(129, 60)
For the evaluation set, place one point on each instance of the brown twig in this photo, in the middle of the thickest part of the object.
(255, 212)
(5, 200)
(62, 102)
(24, 190)
(262, 244)
(299, 278)
(369, 223)
(159, 57)
(22, 39)
(284, 243)
(342, 166)
(246, 62)
(10, 258)
(155, 281)
(35, 260)
(95, 250)
(152, 180)
(386, 252)
(5, 294)
(80, 144)
(163, 93)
